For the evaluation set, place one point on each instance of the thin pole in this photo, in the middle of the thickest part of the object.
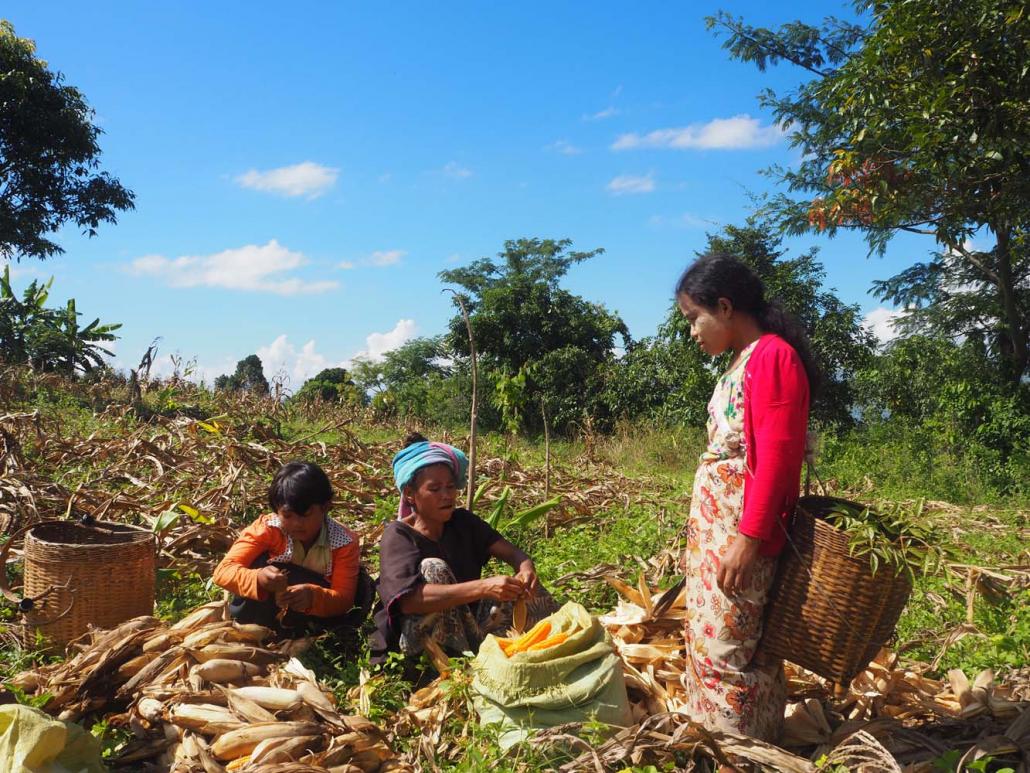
(473, 420)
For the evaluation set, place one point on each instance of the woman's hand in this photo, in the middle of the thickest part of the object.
(502, 588)
(271, 579)
(298, 597)
(527, 574)
(735, 567)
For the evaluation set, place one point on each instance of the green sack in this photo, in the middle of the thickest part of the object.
(32, 742)
(575, 681)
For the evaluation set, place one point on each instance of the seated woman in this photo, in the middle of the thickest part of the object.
(296, 570)
(431, 561)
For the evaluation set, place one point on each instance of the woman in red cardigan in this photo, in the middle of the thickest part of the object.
(746, 485)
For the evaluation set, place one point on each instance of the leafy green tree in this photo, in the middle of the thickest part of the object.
(916, 122)
(330, 385)
(49, 156)
(948, 393)
(522, 320)
(48, 339)
(668, 376)
(249, 376)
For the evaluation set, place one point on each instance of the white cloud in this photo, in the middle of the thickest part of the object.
(383, 258)
(455, 170)
(378, 344)
(628, 183)
(304, 179)
(600, 115)
(298, 364)
(565, 148)
(738, 132)
(880, 322)
(251, 267)
(346, 265)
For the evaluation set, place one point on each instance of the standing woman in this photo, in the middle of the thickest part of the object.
(746, 485)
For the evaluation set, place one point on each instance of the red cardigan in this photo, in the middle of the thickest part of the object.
(775, 429)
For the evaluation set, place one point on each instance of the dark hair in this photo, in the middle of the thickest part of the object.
(714, 276)
(414, 437)
(298, 486)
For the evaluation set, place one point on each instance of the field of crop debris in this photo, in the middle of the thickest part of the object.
(189, 690)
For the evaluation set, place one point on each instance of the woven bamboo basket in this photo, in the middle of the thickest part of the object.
(828, 612)
(101, 575)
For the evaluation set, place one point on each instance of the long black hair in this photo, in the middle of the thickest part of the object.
(298, 486)
(715, 275)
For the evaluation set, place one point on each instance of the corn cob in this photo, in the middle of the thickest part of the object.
(235, 652)
(203, 718)
(238, 743)
(272, 698)
(221, 671)
(519, 613)
(283, 749)
(537, 633)
(209, 613)
(551, 641)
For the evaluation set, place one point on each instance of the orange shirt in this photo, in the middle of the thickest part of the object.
(264, 536)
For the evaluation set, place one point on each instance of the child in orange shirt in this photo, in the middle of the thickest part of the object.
(295, 569)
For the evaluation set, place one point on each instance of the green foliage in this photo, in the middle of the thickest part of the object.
(524, 323)
(891, 536)
(917, 122)
(951, 393)
(331, 385)
(48, 339)
(249, 376)
(669, 378)
(49, 156)
(112, 738)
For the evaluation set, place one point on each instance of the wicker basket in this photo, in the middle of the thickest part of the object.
(828, 612)
(101, 574)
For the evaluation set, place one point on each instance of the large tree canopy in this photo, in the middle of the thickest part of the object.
(249, 376)
(918, 122)
(49, 156)
(528, 328)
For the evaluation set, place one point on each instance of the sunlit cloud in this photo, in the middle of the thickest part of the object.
(736, 133)
(255, 268)
(304, 179)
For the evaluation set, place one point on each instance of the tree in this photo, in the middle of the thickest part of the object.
(330, 385)
(248, 377)
(49, 156)
(917, 123)
(48, 339)
(668, 377)
(523, 321)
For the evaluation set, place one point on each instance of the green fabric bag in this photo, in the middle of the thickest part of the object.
(577, 680)
(32, 742)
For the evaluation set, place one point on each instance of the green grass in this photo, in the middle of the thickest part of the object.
(872, 465)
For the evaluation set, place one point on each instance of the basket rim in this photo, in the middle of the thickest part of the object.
(130, 535)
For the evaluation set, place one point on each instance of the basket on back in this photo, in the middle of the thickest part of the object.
(100, 575)
(828, 612)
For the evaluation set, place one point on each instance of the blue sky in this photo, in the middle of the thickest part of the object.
(304, 171)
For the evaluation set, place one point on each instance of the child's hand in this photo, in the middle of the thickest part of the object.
(271, 579)
(297, 597)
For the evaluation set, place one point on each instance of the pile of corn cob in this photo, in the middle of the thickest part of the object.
(204, 694)
(647, 630)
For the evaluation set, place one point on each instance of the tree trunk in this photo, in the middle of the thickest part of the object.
(1013, 319)
(474, 417)
(547, 464)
